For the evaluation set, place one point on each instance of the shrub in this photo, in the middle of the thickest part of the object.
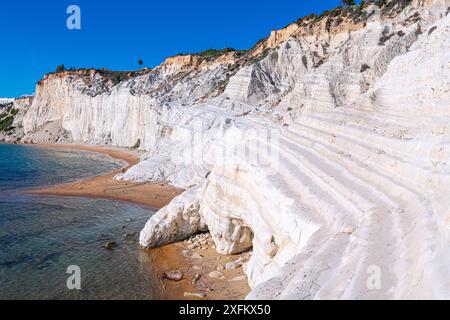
(14, 112)
(418, 30)
(348, 2)
(264, 39)
(338, 21)
(305, 61)
(60, 68)
(318, 63)
(385, 36)
(213, 53)
(6, 123)
(393, 6)
(260, 57)
(137, 144)
(364, 67)
(431, 30)
(312, 16)
(383, 39)
(335, 12)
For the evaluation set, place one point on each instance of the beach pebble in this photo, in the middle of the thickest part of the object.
(220, 268)
(196, 279)
(238, 278)
(194, 295)
(196, 256)
(175, 275)
(348, 230)
(129, 236)
(216, 275)
(192, 246)
(233, 265)
(208, 289)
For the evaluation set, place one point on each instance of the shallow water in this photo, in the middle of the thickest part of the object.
(40, 237)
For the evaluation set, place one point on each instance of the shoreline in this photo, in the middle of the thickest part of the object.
(155, 195)
(195, 258)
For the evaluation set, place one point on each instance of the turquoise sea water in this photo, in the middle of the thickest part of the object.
(41, 236)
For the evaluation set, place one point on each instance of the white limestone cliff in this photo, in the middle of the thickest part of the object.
(325, 149)
(4, 101)
(14, 110)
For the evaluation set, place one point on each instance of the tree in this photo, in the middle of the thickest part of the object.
(140, 62)
(348, 2)
(60, 68)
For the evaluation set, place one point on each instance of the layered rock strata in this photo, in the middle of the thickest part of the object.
(325, 148)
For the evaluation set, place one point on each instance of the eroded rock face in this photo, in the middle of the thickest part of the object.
(15, 109)
(328, 154)
(6, 101)
(176, 222)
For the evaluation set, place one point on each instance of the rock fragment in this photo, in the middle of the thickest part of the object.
(216, 275)
(196, 279)
(175, 275)
(110, 245)
(196, 256)
(194, 295)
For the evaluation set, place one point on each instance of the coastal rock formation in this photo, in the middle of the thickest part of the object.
(5, 101)
(12, 112)
(324, 148)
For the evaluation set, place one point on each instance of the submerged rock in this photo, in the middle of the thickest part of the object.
(110, 245)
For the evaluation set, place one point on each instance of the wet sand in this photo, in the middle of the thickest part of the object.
(177, 256)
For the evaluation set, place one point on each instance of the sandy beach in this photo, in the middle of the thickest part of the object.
(195, 258)
(105, 187)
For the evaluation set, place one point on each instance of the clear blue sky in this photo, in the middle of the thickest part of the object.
(34, 38)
